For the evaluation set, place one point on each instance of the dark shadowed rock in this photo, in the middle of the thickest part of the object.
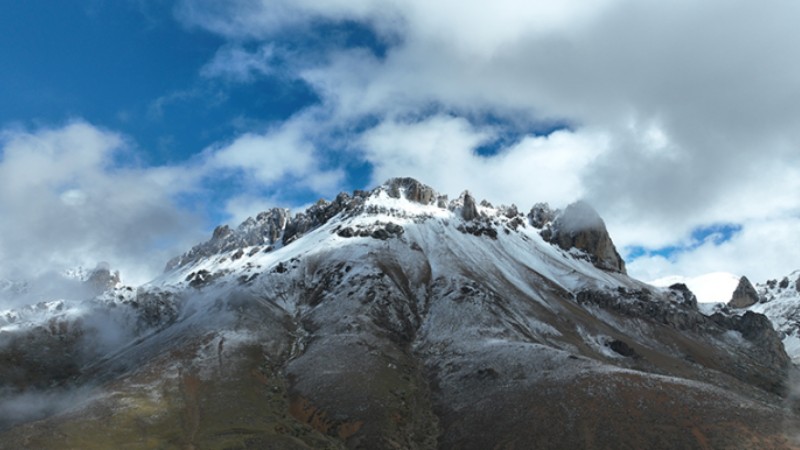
(768, 352)
(510, 211)
(221, 232)
(623, 349)
(745, 294)
(689, 299)
(580, 226)
(469, 211)
(541, 215)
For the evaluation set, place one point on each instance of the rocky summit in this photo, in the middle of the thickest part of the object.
(395, 319)
(744, 295)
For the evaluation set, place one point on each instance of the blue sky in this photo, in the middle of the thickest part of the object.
(130, 66)
(147, 122)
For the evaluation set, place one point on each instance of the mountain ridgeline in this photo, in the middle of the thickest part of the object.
(578, 226)
(396, 318)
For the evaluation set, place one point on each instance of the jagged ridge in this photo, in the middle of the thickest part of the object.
(578, 226)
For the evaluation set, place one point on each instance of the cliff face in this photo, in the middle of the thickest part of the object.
(579, 226)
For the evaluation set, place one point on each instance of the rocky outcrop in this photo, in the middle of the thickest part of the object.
(762, 361)
(744, 295)
(469, 211)
(102, 279)
(642, 304)
(768, 352)
(579, 226)
(689, 299)
(276, 227)
(411, 189)
(271, 229)
(541, 215)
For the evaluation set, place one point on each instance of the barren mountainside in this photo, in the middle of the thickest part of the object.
(779, 300)
(395, 319)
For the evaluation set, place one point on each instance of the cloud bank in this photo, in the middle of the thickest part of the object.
(66, 202)
(667, 117)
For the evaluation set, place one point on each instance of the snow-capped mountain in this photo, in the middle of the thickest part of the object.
(395, 318)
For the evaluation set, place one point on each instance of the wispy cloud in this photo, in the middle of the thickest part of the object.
(238, 64)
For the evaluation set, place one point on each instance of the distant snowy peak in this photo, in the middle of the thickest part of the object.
(577, 228)
(716, 287)
(779, 300)
(787, 287)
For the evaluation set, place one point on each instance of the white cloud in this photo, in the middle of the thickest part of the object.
(237, 64)
(243, 206)
(762, 250)
(65, 203)
(283, 155)
(259, 170)
(441, 151)
(683, 113)
(265, 157)
(477, 25)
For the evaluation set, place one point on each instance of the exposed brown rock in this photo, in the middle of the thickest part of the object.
(745, 294)
(580, 226)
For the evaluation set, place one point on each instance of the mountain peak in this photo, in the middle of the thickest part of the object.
(745, 294)
(580, 226)
(411, 190)
(401, 199)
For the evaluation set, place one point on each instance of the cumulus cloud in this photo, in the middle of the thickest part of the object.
(681, 114)
(759, 251)
(443, 149)
(66, 202)
(281, 160)
(74, 196)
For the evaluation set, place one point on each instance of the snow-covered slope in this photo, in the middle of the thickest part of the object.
(780, 302)
(398, 319)
(450, 242)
